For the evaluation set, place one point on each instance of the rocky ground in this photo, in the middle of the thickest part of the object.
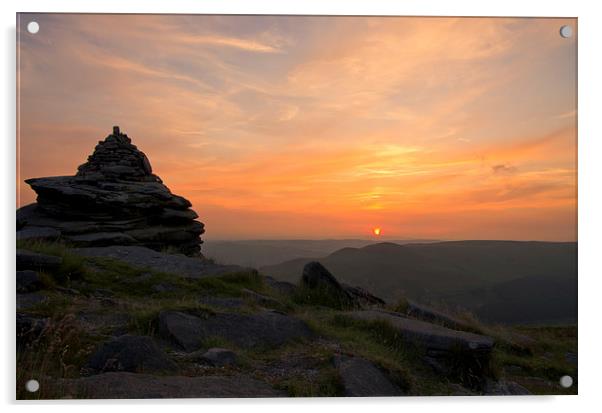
(131, 322)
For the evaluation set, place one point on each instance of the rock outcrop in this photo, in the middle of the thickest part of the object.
(135, 354)
(262, 330)
(361, 378)
(113, 199)
(319, 284)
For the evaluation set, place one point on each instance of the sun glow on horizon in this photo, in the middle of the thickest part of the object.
(318, 127)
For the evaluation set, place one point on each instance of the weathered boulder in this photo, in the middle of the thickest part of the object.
(136, 354)
(363, 298)
(427, 335)
(28, 260)
(504, 388)
(142, 257)
(432, 315)
(316, 280)
(114, 199)
(264, 329)
(361, 378)
(282, 287)
(30, 300)
(123, 385)
(28, 281)
(38, 233)
(219, 357)
(463, 355)
(323, 288)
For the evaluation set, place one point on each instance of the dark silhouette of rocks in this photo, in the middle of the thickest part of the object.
(361, 378)
(142, 257)
(317, 278)
(28, 260)
(264, 329)
(28, 281)
(135, 354)
(430, 336)
(113, 199)
(219, 357)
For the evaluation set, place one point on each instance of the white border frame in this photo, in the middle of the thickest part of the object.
(590, 200)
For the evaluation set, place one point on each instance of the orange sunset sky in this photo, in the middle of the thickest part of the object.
(318, 127)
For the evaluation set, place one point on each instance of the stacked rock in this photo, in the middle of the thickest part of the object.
(114, 199)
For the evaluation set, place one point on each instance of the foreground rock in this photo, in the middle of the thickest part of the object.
(38, 233)
(28, 281)
(281, 287)
(141, 257)
(504, 388)
(143, 386)
(219, 357)
(322, 287)
(264, 329)
(457, 354)
(136, 354)
(361, 378)
(28, 260)
(362, 298)
(113, 199)
(427, 335)
(28, 301)
(317, 278)
(431, 315)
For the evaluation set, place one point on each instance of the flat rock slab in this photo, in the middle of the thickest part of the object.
(265, 329)
(504, 388)
(432, 315)
(361, 378)
(29, 260)
(282, 287)
(143, 257)
(143, 386)
(219, 356)
(136, 354)
(430, 336)
(29, 300)
(28, 281)
(38, 233)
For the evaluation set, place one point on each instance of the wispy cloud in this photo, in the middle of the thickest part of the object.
(436, 127)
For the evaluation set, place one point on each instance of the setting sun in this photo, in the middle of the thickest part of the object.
(376, 231)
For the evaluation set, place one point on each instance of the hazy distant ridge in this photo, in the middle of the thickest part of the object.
(511, 281)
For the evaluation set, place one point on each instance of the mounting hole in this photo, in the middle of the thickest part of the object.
(32, 386)
(566, 31)
(566, 381)
(33, 27)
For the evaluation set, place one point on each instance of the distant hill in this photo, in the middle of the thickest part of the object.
(505, 281)
(259, 253)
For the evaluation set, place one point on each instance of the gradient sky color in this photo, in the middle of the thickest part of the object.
(318, 127)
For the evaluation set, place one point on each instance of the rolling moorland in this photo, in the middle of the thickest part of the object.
(499, 281)
(115, 299)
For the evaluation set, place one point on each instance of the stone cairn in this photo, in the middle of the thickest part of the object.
(114, 199)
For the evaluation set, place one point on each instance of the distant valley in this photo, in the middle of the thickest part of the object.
(260, 253)
(500, 281)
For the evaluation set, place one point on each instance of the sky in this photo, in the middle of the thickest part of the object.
(317, 127)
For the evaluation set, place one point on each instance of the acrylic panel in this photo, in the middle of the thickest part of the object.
(295, 206)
